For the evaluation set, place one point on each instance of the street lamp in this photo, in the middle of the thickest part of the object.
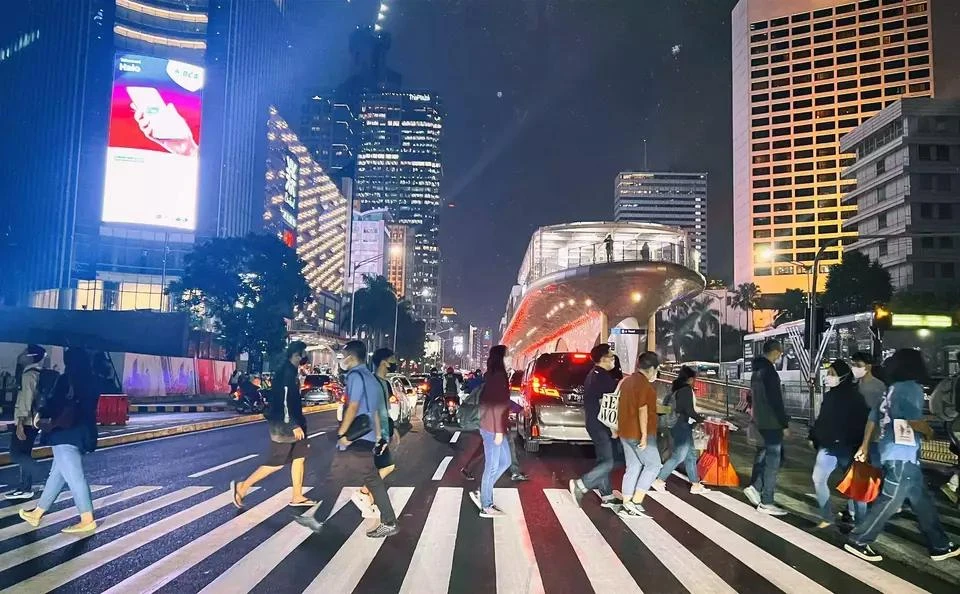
(353, 287)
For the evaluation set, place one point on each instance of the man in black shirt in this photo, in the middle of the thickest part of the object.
(599, 382)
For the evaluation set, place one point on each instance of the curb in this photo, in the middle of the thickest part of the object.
(127, 438)
(178, 408)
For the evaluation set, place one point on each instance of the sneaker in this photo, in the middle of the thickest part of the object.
(699, 489)
(950, 493)
(309, 522)
(467, 474)
(18, 495)
(611, 502)
(383, 530)
(771, 509)
(577, 490)
(632, 510)
(492, 512)
(753, 496)
(363, 503)
(80, 528)
(952, 550)
(844, 517)
(519, 477)
(659, 486)
(29, 517)
(863, 551)
(475, 498)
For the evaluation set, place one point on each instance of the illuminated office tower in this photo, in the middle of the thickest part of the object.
(806, 72)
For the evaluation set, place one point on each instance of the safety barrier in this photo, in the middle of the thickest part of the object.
(113, 409)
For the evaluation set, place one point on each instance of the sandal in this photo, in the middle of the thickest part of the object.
(306, 502)
(237, 498)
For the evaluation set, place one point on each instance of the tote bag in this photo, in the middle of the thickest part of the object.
(609, 404)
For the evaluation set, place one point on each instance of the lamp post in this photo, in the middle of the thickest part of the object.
(396, 319)
(353, 288)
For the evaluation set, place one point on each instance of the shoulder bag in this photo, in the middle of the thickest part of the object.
(362, 423)
(609, 404)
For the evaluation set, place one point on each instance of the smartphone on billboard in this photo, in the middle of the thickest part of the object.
(165, 122)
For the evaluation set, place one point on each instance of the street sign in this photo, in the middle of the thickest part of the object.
(627, 331)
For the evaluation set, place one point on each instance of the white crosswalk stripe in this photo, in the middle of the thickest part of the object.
(12, 511)
(432, 552)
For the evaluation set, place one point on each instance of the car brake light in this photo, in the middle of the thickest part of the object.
(580, 356)
(540, 386)
(534, 430)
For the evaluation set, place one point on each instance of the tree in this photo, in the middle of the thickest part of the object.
(747, 299)
(246, 287)
(688, 330)
(792, 305)
(856, 285)
(376, 312)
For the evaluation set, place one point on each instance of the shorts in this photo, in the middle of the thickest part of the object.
(384, 460)
(282, 454)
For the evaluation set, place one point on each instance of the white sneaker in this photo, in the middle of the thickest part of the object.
(659, 486)
(699, 489)
(475, 498)
(364, 504)
(18, 495)
(771, 509)
(753, 496)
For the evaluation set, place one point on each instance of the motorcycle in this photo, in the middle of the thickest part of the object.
(441, 412)
(247, 399)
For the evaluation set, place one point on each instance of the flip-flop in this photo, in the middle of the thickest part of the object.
(237, 499)
(304, 503)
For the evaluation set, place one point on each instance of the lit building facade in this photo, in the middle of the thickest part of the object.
(162, 28)
(399, 168)
(806, 72)
(399, 257)
(907, 171)
(667, 198)
(305, 210)
(369, 247)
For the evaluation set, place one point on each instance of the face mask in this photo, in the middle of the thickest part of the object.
(832, 381)
(392, 367)
(343, 365)
(859, 372)
(304, 360)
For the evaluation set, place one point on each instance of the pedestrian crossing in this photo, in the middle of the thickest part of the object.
(712, 544)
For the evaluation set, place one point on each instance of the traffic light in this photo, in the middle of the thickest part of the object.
(819, 323)
(882, 318)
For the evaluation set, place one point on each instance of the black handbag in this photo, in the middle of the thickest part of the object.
(360, 426)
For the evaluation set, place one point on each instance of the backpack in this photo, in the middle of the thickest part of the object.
(943, 401)
(46, 383)
(470, 410)
(668, 418)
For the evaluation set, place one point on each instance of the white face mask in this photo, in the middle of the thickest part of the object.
(343, 365)
(832, 381)
(859, 372)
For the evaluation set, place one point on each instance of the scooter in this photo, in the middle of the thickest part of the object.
(247, 399)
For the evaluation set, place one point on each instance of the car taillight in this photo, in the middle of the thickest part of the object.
(542, 387)
(579, 356)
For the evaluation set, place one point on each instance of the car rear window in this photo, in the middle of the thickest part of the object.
(564, 370)
(516, 379)
(316, 380)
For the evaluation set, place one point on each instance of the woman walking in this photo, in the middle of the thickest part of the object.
(687, 418)
(836, 435)
(70, 422)
(494, 407)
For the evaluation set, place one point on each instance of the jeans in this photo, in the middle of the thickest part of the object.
(21, 453)
(766, 464)
(642, 466)
(66, 468)
(826, 463)
(599, 476)
(683, 451)
(902, 481)
(496, 461)
(477, 454)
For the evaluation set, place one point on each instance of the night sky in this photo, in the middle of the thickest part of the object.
(546, 101)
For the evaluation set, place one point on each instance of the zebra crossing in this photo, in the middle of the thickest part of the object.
(712, 544)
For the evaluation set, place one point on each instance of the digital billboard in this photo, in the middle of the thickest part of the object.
(153, 147)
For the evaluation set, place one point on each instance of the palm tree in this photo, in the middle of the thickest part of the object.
(792, 306)
(747, 299)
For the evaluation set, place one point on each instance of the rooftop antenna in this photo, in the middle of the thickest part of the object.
(645, 155)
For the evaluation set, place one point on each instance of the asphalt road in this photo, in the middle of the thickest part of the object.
(166, 524)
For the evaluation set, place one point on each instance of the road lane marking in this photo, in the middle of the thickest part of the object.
(317, 434)
(517, 569)
(775, 571)
(602, 566)
(70, 512)
(684, 565)
(863, 571)
(344, 571)
(12, 511)
(432, 562)
(249, 571)
(438, 475)
(221, 466)
(42, 547)
(167, 569)
(455, 437)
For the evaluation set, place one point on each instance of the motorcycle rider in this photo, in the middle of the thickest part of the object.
(434, 400)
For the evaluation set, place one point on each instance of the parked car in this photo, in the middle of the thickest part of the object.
(402, 385)
(551, 397)
(320, 389)
(401, 405)
(421, 382)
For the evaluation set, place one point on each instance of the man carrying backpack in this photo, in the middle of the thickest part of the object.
(25, 409)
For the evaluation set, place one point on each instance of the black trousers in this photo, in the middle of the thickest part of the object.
(361, 455)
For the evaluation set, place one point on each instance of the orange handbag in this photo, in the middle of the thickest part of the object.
(862, 482)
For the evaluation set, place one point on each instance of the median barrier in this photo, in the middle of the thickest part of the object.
(113, 409)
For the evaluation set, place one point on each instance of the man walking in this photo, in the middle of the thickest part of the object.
(288, 426)
(771, 422)
(21, 443)
(637, 427)
(599, 382)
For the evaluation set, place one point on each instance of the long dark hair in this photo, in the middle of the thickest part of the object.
(495, 360)
(683, 376)
(78, 368)
(906, 365)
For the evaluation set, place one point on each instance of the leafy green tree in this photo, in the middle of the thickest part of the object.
(747, 298)
(246, 287)
(855, 285)
(792, 305)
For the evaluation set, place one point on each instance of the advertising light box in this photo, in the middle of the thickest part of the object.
(153, 148)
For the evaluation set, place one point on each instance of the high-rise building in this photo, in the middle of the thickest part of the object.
(327, 130)
(668, 198)
(399, 169)
(369, 247)
(906, 169)
(304, 208)
(805, 72)
(399, 257)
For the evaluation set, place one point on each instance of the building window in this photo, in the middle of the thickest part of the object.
(926, 210)
(946, 243)
(933, 152)
(882, 221)
(945, 212)
(928, 269)
(883, 249)
(947, 270)
(926, 243)
(881, 166)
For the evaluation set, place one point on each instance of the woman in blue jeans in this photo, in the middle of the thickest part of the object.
(686, 418)
(70, 421)
(836, 434)
(494, 406)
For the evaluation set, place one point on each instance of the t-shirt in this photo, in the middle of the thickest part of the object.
(635, 393)
(872, 390)
(904, 401)
(364, 388)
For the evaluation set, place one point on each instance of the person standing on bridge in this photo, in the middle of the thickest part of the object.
(771, 422)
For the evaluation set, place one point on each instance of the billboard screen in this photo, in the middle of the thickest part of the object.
(152, 152)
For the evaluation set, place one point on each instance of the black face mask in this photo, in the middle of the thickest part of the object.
(392, 367)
